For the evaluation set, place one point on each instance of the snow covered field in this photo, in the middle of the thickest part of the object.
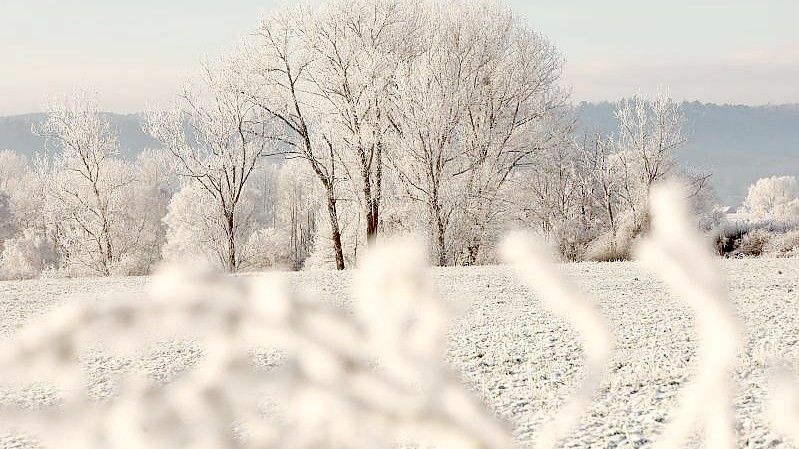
(523, 361)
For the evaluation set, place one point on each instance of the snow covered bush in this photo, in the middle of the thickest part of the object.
(774, 198)
(27, 256)
(617, 245)
(752, 243)
(194, 230)
(268, 249)
(784, 244)
(766, 224)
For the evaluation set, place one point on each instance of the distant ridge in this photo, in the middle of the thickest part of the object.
(737, 144)
(16, 134)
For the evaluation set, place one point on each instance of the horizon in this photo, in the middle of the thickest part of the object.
(735, 53)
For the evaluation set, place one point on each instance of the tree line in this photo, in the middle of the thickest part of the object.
(332, 127)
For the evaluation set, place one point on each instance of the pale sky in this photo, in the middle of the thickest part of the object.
(136, 53)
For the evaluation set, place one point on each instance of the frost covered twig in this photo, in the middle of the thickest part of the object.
(677, 254)
(367, 380)
(783, 410)
(543, 277)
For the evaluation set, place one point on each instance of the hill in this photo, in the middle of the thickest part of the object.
(736, 144)
(16, 134)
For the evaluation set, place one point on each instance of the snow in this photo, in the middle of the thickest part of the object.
(523, 361)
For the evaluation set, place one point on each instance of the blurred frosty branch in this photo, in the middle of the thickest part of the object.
(348, 381)
(678, 255)
(562, 300)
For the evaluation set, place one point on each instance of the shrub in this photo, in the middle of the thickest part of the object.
(25, 257)
(752, 243)
(784, 245)
(268, 248)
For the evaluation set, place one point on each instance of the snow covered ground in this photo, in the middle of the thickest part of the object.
(523, 361)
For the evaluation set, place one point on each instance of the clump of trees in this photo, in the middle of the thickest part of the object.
(78, 209)
(333, 127)
(590, 196)
(767, 223)
(775, 198)
(402, 107)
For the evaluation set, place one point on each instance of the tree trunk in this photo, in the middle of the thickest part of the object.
(473, 249)
(372, 197)
(442, 252)
(440, 242)
(372, 220)
(107, 253)
(611, 217)
(378, 194)
(369, 202)
(231, 242)
(334, 229)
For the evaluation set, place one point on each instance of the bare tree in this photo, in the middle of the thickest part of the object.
(358, 46)
(650, 132)
(88, 180)
(479, 101)
(276, 69)
(216, 137)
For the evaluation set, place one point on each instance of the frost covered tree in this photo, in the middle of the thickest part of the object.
(516, 112)
(12, 169)
(775, 198)
(477, 103)
(432, 93)
(195, 230)
(194, 227)
(28, 236)
(87, 184)
(276, 69)
(357, 48)
(27, 255)
(156, 181)
(447, 99)
(623, 168)
(599, 173)
(216, 138)
(590, 196)
(650, 131)
(553, 197)
(297, 204)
